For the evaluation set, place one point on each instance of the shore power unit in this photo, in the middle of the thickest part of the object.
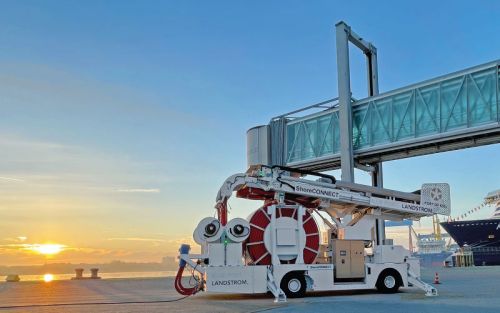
(279, 248)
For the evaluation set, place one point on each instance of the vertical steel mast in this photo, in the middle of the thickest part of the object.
(344, 35)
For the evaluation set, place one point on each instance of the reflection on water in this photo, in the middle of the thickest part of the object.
(48, 278)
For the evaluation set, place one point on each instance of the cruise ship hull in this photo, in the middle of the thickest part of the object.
(483, 236)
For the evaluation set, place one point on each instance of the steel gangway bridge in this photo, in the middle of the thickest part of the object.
(454, 111)
(450, 112)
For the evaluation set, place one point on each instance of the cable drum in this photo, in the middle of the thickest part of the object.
(258, 240)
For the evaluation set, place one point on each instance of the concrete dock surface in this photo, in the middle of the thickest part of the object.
(461, 290)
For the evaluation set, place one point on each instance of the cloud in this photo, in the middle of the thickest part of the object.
(34, 169)
(37, 247)
(10, 245)
(14, 255)
(16, 239)
(11, 179)
(140, 190)
(137, 239)
(61, 90)
(13, 142)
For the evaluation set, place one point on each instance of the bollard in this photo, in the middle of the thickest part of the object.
(93, 273)
(78, 273)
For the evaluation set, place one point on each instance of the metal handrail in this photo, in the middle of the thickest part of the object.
(309, 107)
(320, 105)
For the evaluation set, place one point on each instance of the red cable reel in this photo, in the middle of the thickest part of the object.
(259, 222)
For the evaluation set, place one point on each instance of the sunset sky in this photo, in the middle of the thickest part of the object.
(120, 119)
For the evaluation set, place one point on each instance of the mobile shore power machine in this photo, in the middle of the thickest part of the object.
(282, 249)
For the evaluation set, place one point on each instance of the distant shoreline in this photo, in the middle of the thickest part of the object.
(104, 275)
(69, 268)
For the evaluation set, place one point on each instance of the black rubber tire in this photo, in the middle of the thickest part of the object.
(294, 285)
(388, 281)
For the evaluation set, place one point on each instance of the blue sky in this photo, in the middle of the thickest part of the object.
(128, 115)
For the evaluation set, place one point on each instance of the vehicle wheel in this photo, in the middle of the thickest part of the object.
(294, 285)
(388, 282)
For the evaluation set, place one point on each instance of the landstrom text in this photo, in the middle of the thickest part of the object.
(229, 282)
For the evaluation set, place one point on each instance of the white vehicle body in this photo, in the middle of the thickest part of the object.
(348, 260)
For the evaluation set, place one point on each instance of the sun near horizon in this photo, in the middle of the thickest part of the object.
(48, 249)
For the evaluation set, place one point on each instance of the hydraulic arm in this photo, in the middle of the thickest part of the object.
(336, 198)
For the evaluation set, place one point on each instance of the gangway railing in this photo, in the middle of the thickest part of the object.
(450, 112)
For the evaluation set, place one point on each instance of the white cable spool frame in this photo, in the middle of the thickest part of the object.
(285, 252)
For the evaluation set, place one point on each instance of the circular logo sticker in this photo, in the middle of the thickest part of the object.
(436, 194)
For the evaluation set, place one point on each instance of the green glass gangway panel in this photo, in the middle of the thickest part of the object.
(450, 112)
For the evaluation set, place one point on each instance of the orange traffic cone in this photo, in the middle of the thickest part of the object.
(436, 279)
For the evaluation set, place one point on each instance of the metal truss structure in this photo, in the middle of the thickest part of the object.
(454, 111)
